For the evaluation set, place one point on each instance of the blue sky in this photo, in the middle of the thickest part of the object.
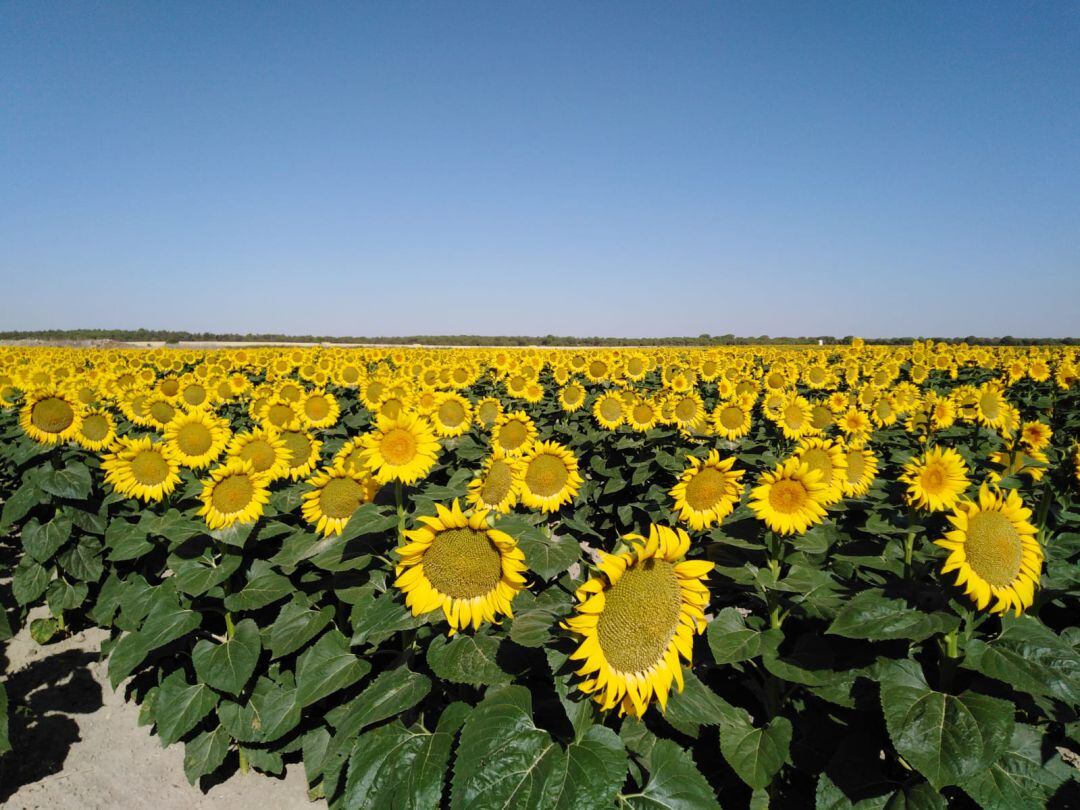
(637, 169)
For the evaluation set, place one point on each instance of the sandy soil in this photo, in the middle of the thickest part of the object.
(78, 745)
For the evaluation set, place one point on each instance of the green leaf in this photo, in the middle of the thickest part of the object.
(173, 525)
(271, 712)
(72, 482)
(1030, 657)
(266, 588)
(61, 595)
(697, 705)
(399, 767)
(872, 616)
(392, 693)
(18, 506)
(165, 623)
(29, 581)
(376, 618)
(83, 560)
(504, 760)
(1023, 777)
(43, 541)
(366, 520)
(295, 626)
(546, 554)
(675, 783)
(229, 666)
(264, 760)
(732, 641)
(535, 617)
(127, 541)
(5, 741)
(756, 754)
(947, 738)
(179, 706)
(204, 754)
(43, 630)
(467, 659)
(327, 667)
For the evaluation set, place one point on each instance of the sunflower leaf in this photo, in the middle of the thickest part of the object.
(467, 658)
(872, 616)
(675, 783)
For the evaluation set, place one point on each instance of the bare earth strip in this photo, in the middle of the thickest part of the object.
(78, 744)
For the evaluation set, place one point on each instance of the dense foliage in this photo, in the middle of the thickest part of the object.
(791, 499)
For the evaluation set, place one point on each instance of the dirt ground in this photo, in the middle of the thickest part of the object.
(77, 744)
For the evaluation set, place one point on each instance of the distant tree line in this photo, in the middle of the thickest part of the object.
(172, 336)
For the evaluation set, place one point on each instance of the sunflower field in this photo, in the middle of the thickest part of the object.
(831, 577)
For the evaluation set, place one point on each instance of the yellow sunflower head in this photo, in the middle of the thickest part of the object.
(487, 412)
(707, 491)
(458, 563)
(318, 409)
(303, 452)
(514, 433)
(994, 551)
(936, 479)
(791, 498)
(197, 437)
(452, 414)
(334, 496)
(141, 468)
(827, 457)
(265, 450)
(608, 411)
(859, 472)
(572, 397)
(234, 493)
(97, 429)
(498, 486)
(400, 449)
(636, 621)
(50, 416)
(549, 477)
(731, 420)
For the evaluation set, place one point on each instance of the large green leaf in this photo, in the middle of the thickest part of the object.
(376, 618)
(18, 506)
(872, 616)
(83, 560)
(72, 482)
(697, 705)
(947, 738)
(467, 658)
(28, 581)
(204, 754)
(229, 666)
(127, 541)
(1024, 777)
(295, 626)
(504, 760)
(266, 588)
(535, 617)
(1030, 657)
(327, 667)
(366, 520)
(42, 541)
(732, 641)
(675, 783)
(756, 754)
(392, 693)
(546, 554)
(165, 623)
(270, 712)
(179, 706)
(398, 767)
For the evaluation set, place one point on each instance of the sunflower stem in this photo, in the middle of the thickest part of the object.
(399, 499)
(230, 628)
(243, 760)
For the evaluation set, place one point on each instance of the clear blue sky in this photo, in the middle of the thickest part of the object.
(875, 168)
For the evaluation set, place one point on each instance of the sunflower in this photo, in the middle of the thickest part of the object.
(936, 479)
(1036, 435)
(827, 458)
(318, 409)
(498, 486)
(572, 397)
(550, 477)
(159, 411)
(97, 429)
(994, 551)
(637, 621)
(234, 493)
(608, 411)
(266, 451)
(642, 414)
(197, 437)
(302, 452)
(991, 410)
(452, 415)
(487, 412)
(351, 456)
(796, 418)
(854, 423)
(514, 433)
(731, 420)
(860, 471)
(688, 410)
(400, 449)
(457, 562)
(50, 416)
(141, 468)
(279, 413)
(707, 491)
(335, 495)
(791, 498)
